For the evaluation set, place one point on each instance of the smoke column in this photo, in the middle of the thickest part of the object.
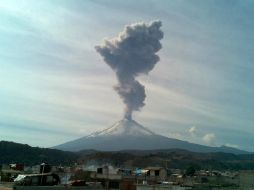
(132, 53)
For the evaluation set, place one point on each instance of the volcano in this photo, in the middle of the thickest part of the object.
(127, 134)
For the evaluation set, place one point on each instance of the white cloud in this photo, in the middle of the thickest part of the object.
(232, 145)
(193, 131)
(209, 139)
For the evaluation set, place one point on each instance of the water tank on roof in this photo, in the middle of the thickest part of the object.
(45, 168)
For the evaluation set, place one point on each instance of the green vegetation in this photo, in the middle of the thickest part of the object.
(11, 152)
(20, 153)
(190, 171)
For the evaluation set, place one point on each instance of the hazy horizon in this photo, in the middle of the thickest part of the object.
(55, 87)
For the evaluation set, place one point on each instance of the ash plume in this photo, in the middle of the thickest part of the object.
(130, 54)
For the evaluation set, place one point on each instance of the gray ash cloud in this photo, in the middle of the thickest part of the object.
(130, 54)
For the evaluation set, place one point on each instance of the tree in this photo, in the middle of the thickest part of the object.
(190, 171)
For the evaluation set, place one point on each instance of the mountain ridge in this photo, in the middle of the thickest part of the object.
(12, 152)
(127, 134)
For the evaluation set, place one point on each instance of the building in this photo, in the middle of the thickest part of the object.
(156, 174)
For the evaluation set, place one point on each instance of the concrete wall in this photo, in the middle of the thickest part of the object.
(160, 187)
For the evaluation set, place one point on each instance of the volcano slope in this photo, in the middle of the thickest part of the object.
(129, 135)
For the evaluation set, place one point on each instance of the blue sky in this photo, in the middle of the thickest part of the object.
(55, 87)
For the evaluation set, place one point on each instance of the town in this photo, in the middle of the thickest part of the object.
(44, 176)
